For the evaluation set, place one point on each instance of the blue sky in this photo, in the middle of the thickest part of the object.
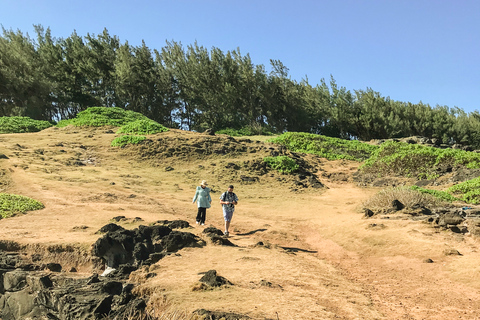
(408, 50)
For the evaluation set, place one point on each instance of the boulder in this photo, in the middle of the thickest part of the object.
(451, 218)
(109, 228)
(54, 267)
(213, 280)
(135, 247)
(397, 205)
(206, 314)
(178, 240)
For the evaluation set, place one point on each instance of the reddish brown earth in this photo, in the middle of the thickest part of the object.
(320, 258)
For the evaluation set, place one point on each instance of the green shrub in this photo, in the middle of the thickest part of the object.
(442, 195)
(473, 197)
(127, 139)
(229, 131)
(468, 191)
(416, 161)
(326, 147)
(11, 204)
(282, 164)
(103, 116)
(142, 127)
(22, 124)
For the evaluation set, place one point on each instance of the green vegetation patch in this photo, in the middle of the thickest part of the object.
(468, 191)
(282, 164)
(127, 139)
(11, 204)
(442, 195)
(22, 124)
(326, 147)
(103, 116)
(142, 127)
(417, 161)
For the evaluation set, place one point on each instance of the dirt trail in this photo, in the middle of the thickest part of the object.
(388, 262)
(298, 255)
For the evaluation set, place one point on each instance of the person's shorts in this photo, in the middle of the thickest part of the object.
(227, 214)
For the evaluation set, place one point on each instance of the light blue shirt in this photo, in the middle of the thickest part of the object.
(202, 196)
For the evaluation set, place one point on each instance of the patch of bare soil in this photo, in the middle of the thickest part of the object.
(302, 248)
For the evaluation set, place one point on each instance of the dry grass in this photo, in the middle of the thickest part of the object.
(159, 308)
(409, 198)
(164, 310)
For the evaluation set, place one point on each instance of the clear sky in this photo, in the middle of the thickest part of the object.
(408, 50)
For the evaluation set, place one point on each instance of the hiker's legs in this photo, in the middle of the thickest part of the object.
(227, 215)
(203, 215)
(199, 215)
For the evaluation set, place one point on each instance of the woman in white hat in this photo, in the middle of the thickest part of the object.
(202, 196)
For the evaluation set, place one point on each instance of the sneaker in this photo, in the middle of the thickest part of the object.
(226, 233)
(198, 222)
(202, 224)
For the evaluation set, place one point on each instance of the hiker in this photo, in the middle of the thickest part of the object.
(228, 200)
(202, 196)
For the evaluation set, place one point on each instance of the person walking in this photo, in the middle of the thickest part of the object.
(204, 200)
(228, 200)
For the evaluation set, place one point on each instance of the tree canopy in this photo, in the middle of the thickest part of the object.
(195, 88)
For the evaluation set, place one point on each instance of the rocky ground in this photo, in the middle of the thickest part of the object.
(118, 233)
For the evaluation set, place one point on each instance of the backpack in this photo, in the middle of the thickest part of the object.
(224, 196)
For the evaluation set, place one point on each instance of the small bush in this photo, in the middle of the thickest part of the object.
(127, 139)
(282, 164)
(11, 204)
(22, 124)
(468, 191)
(442, 195)
(229, 131)
(326, 147)
(408, 197)
(142, 127)
(103, 116)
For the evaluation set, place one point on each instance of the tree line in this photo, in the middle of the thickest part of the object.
(194, 88)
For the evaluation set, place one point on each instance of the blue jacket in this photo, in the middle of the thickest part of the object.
(202, 196)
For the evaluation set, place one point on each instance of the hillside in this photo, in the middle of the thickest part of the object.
(302, 247)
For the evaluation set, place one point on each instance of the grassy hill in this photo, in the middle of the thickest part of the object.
(303, 248)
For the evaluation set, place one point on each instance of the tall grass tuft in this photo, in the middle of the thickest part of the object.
(408, 197)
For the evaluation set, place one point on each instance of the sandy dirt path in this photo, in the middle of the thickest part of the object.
(387, 259)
